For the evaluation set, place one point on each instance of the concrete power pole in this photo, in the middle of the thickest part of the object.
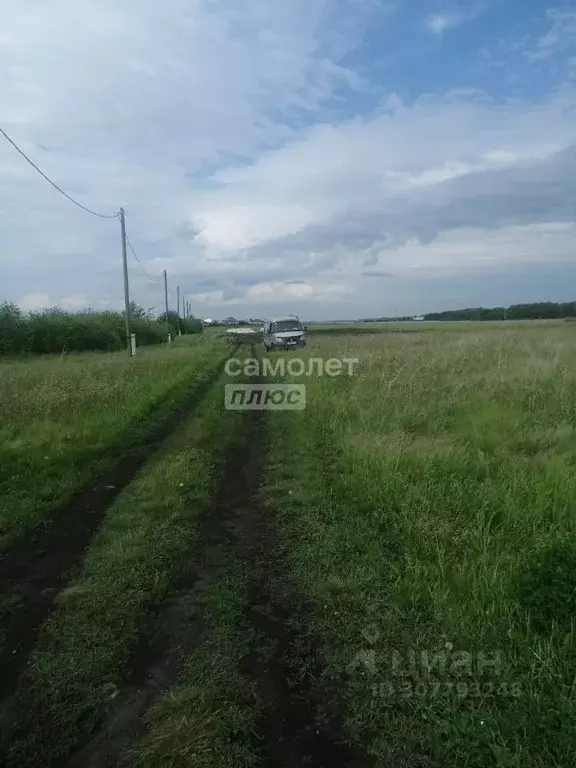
(126, 286)
(166, 304)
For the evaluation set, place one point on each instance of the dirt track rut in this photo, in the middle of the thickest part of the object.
(32, 574)
(298, 727)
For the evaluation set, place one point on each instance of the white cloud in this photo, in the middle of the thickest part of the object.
(560, 36)
(33, 301)
(478, 250)
(439, 22)
(253, 161)
(75, 301)
(128, 104)
(396, 160)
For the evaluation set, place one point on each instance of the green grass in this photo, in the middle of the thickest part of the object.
(65, 419)
(146, 544)
(429, 507)
(420, 326)
(207, 719)
(426, 515)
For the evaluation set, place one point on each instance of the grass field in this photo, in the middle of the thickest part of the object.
(65, 418)
(387, 578)
(432, 528)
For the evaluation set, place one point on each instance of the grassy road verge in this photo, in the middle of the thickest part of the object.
(66, 419)
(427, 507)
(85, 652)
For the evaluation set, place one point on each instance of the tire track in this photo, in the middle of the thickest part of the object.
(34, 572)
(170, 630)
(301, 725)
(298, 728)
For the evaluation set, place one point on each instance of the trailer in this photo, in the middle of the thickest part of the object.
(245, 335)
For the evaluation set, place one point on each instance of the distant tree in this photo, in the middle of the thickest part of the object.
(136, 310)
(175, 323)
(14, 334)
(539, 310)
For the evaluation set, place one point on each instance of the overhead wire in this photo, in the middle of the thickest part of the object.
(78, 204)
(150, 277)
(66, 195)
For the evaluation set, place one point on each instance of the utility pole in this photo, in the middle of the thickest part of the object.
(178, 305)
(166, 303)
(126, 287)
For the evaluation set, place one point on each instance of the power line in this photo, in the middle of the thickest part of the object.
(153, 279)
(25, 156)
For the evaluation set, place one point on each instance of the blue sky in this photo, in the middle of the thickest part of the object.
(335, 158)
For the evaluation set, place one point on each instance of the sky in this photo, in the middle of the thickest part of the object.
(329, 158)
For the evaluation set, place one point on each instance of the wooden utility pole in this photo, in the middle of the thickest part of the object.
(166, 304)
(126, 286)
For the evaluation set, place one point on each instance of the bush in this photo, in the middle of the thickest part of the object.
(188, 325)
(14, 333)
(56, 331)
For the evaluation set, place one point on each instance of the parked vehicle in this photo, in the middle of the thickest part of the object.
(284, 333)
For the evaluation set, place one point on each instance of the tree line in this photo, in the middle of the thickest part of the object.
(55, 330)
(544, 310)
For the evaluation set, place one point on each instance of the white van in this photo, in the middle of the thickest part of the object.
(284, 333)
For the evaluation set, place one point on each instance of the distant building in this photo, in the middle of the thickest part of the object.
(418, 317)
(208, 321)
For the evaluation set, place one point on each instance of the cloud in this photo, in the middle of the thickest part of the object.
(259, 160)
(33, 301)
(440, 163)
(132, 104)
(377, 273)
(439, 22)
(561, 36)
